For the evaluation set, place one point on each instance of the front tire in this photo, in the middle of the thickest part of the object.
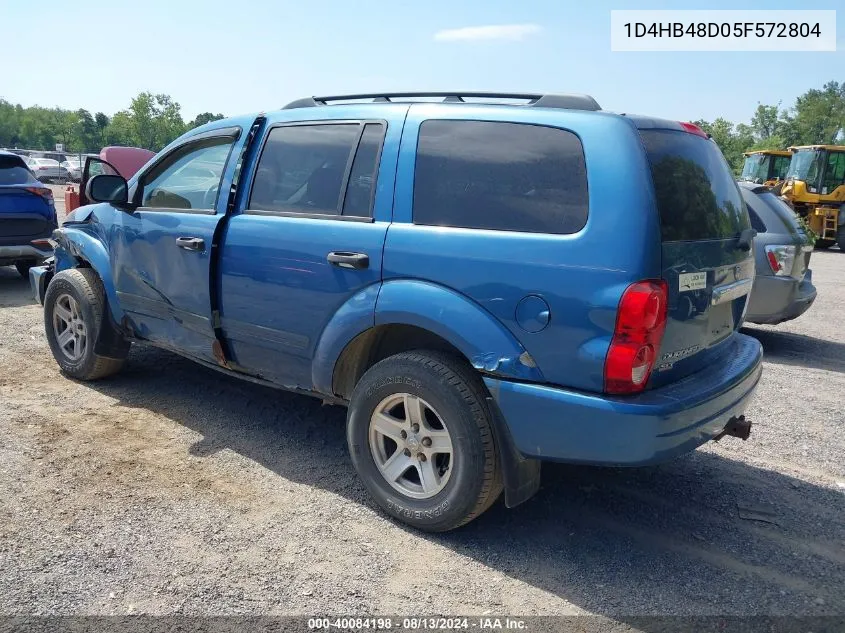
(74, 309)
(420, 436)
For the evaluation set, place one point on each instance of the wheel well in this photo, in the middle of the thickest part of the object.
(376, 344)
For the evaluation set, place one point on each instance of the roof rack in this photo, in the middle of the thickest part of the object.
(564, 101)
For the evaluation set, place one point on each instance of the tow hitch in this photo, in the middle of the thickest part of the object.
(736, 427)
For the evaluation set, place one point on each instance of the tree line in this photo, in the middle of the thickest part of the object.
(816, 117)
(151, 121)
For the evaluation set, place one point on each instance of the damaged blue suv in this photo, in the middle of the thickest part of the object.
(486, 281)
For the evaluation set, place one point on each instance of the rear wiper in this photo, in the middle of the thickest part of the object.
(743, 242)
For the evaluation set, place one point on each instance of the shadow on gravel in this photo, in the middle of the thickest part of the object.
(704, 534)
(786, 348)
(14, 289)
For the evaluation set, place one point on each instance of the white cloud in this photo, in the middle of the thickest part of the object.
(512, 32)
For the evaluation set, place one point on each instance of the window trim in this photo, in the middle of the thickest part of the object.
(378, 165)
(312, 216)
(229, 133)
(547, 126)
(339, 216)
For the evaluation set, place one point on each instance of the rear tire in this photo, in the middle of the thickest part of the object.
(23, 268)
(824, 244)
(451, 469)
(74, 309)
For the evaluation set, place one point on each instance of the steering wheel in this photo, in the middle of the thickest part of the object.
(210, 196)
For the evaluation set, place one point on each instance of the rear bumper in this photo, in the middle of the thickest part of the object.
(559, 425)
(9, 254)
(778, 299)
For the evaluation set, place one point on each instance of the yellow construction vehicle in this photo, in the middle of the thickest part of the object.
(766, 166)
(815, 187)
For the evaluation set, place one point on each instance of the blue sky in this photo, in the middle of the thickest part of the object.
(248, 55)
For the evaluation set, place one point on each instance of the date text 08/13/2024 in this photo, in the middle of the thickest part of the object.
(416, 623)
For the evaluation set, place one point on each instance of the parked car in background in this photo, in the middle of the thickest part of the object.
(783, 283)
(19, 152)
(510, 314)
(73, 165)
(59, 157)
(27, 215)
(48, 170)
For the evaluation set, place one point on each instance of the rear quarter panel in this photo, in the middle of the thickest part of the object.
(580, 276)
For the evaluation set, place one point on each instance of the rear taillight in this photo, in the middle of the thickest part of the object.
(781, 259)
(692, 128)
(640, 322)
(41, 191)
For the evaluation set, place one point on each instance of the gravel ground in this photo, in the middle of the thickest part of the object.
(172, 489)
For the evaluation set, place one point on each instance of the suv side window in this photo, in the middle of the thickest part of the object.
(501, 176)
(362, 179)
(318, 169)
(756, 223)
(189, 178)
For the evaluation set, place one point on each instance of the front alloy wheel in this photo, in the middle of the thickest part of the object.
(69, 328)
(75, 317)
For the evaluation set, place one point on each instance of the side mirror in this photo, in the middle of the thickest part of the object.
(107, 188)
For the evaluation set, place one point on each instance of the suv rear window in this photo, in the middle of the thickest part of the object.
(501, 176)
(696, 194)
(13, 171)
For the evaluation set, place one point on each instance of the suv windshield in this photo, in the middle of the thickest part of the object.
(697, 196)
(755, 168)
(806, 165)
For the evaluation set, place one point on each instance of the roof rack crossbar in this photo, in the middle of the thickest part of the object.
(565, 101)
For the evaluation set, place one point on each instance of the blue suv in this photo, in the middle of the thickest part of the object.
(486, 281)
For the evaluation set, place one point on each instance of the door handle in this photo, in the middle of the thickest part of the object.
(191, 243)
(344, 259)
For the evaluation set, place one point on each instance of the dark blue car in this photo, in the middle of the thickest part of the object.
(484, 285)
(27, 215)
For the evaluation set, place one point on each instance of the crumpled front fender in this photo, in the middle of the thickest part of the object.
(76, 247)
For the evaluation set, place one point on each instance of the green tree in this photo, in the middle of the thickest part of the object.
(121, 130)
(733, 141)
(771, 142)
(820, 114)
(102, 122)
(766, 121)
(153, 120)
(205, 117)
